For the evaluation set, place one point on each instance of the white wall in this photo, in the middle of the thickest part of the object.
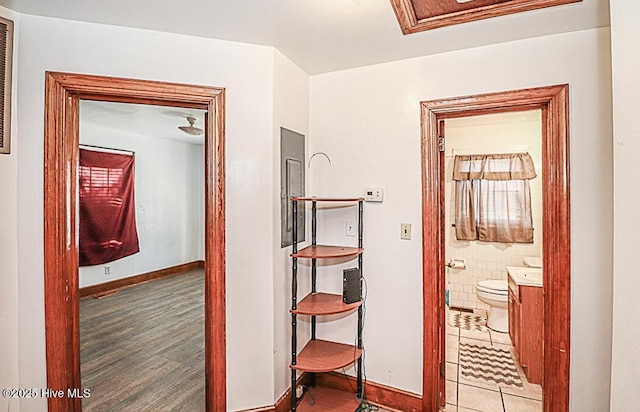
(368, 121)
(169, 199)
(246, 71)
(494, 133)
(9, 244)
(625, 36)
(291, 111)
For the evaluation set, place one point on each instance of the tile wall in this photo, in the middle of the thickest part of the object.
(484, 261)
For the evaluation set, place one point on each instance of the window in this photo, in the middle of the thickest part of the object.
(107, 208)
(493, 199)
(101, 184)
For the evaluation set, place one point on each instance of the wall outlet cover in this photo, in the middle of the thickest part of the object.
(350, 228)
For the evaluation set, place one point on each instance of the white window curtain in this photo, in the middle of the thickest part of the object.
(493, 199)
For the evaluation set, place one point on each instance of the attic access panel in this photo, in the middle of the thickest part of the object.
(420, 15)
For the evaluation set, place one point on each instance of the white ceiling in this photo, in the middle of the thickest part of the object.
(318, 35)
(141, 119)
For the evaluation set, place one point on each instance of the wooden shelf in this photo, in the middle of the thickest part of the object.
(324, 304)
(328, 199)
(320, 356)
(320, 251)
(326, 399)
(325, 356)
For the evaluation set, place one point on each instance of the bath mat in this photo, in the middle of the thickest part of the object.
(467, 321)
(489, 365)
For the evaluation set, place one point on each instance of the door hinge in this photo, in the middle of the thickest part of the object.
(441, 143)
(442, 369)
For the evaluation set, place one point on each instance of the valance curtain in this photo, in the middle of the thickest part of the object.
(493, 199)
(107, 207)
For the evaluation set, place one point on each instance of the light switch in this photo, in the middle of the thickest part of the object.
(405, 231)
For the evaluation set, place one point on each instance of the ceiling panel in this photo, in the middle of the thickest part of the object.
(425, 9)
(420, 15)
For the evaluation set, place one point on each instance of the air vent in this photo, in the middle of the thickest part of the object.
(6, 58)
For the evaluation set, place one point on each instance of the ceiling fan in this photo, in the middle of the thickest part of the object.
(191, 129)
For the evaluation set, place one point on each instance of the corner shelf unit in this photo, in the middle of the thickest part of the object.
(322, 355)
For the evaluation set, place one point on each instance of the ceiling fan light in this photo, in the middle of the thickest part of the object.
(191, 129)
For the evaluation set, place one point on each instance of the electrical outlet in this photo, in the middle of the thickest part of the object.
(350, 228)
(107, 270)
(405, 231)
(299, 391)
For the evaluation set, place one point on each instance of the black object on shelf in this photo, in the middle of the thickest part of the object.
(351, 286)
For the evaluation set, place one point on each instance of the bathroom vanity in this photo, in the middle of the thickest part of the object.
(526, 319)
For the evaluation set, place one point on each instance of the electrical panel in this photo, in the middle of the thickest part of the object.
(292, 178)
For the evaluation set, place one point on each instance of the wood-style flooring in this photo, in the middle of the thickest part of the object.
(142, 349)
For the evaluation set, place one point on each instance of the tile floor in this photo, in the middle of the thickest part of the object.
(466, 396)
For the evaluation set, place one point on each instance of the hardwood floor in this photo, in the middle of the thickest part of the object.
(142, 349)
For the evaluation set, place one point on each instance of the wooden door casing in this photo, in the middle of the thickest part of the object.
(553, 101)
(62, 94)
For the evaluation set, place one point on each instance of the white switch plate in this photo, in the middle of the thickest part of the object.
(373, 194)
(350, 228)
(405, 231)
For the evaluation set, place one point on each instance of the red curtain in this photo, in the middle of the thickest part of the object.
(107, 207)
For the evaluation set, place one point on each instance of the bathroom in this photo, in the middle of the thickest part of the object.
(477, 270)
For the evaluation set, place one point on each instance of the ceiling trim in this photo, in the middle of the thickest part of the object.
(409, 22)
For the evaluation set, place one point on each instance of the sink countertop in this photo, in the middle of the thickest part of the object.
(525, 276)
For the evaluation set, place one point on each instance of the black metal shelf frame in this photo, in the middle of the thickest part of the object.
(294, 298)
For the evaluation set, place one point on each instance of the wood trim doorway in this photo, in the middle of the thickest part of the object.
(63, 91)
(554, 104)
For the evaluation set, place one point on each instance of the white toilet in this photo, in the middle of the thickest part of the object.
(495, 293)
